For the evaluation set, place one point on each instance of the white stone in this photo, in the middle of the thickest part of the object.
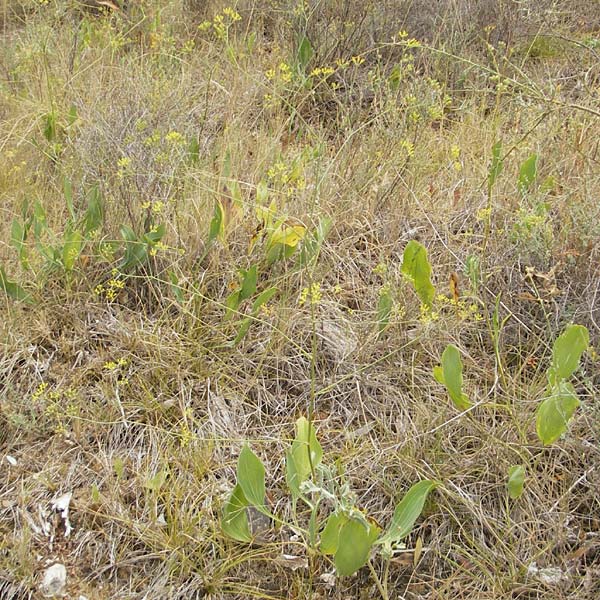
(55, 581)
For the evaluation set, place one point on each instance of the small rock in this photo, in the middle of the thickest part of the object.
(55, 581)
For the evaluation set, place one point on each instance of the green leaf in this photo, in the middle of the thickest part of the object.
(234, 521)
(354, 545)
(72, 247)
(136, 251)
(516, 480)
(155, 234)
(450, 375)
(194, 149)
(527, 173)
(242, 331)
(248, 288)
(416, 267)
(68, 190)
(39, 219)
(311, 246)
(217, 224)
(12, 289)
(473, 271)
(438, 374)
(232, 303)
(555, 412)
(384, 309)
(50, 127)
(251, 477)
(567, 351)
(156, 482)
(304, 455)
(407, 512)
(496, 166)
(331, 533)
(175, 287)
(305, 53)
(94, 213)
(263, 298)
(18, 235)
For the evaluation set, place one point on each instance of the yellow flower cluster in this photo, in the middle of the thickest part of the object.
(283, 72)
(112, 365)
(124, 165)
(312, 293)
(40, 391)
(111, 288)
(322, 72)
(287, 176)
(221, 23)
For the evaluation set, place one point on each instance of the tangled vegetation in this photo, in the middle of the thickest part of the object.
(300, 299)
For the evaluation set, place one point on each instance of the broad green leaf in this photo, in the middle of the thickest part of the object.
(217, 224)
(305, 451)
(312, 243)
(354, 545)
(416, 267)
(555, 412)
(136, 250)
(232, 303)
(68, 190)
(450, 375)
(407, 512)
(516, 480)
(567, 351)
(12, 289)
(234, 521)
(156, 482)
(18, 235)
(331, 533)
(497, 164)
(251, 477)
(527, 173)
(39, 219)
(263, 298)
(242, 331)
(248, 288)
(305, 52)
(155, 234)
(72, 247)
(384, 309)
(94, 213)
(287, 235)
(292, 475)
(473, 271)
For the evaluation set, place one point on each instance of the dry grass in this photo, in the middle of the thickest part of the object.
(387, 164)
